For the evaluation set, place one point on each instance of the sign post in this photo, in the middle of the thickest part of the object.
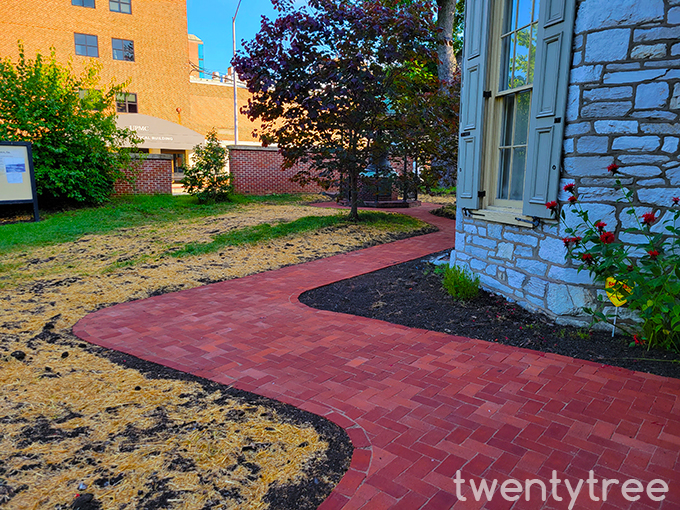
(17, 177)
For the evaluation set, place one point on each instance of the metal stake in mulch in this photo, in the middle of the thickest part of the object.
(614, 289)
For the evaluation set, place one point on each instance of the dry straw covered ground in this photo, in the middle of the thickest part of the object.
(76, 426)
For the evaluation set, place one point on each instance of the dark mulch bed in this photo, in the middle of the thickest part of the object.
(411, 294)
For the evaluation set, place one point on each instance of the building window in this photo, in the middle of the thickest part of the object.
(124, 6)
(83, 3)
(87, 45)
(514, 45)
(126, 103)
(513, 105)
(123, 50)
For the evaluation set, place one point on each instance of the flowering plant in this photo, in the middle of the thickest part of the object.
(647, 274)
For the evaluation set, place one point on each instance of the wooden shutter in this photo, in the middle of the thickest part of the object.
(548, 105)
(472, 102)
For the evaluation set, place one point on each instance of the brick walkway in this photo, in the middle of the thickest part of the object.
(417, 405)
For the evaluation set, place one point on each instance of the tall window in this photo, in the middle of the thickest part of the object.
(126, 103)
(124, 6)
(83, 3)
(516, 43)
(123, 50)
(86, 45)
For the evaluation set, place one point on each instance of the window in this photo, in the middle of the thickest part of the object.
(83, 3)
(87, 45)
(513, 106)
(123, 6)
(126, 103)
(123, 50)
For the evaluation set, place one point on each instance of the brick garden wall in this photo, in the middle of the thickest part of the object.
(257, 171)
(623, 106)
(152, 175)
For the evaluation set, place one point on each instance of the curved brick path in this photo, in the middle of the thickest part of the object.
(417, 405)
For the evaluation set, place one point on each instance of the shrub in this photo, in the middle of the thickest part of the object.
(78, 151)
(207, 178)
(646, 275)
(460, 283)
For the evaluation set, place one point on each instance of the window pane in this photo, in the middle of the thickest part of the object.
(532, 52)
(510, 16)
(522, 57)
(507, 49)
(518, 166)
(524, 13)
(504, 173)
(125, 8)
(536, 9)
(132, 108)
(89, 3)
(81, 39)
(522, 111)
(114, 6)
(508, 113)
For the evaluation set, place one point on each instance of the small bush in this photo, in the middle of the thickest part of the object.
(207, 178)
(460, 283)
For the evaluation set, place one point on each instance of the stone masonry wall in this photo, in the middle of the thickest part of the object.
(152, 174)
(623, 107)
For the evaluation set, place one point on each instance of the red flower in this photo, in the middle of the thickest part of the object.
(653, 254)
(551, 205)
(576, 240)
(676, 200)
(607, 238)
(648, 218)
(569, 187)
(572, 199)
(613, 168)
(600, 225)
(566, 241)
(587, 258)
(637, 342)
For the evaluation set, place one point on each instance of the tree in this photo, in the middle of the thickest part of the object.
(322, 78)
(450, 16)
(207, 178)
(78, 150)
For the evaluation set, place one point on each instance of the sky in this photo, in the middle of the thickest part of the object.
(210, 21)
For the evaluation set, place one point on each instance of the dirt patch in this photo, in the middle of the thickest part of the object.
(83, 427)
(411, 294)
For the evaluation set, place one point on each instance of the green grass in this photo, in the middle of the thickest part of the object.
(266, 232)
(123, 212)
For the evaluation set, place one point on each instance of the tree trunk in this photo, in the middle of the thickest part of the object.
(446, 67)
(354, 193)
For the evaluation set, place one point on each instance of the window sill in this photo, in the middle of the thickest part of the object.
(505, 216)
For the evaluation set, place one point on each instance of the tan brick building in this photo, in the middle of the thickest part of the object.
(144, 43)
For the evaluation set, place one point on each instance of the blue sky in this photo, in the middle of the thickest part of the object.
(210, 20)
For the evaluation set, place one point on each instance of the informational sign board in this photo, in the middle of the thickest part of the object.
(17, 179)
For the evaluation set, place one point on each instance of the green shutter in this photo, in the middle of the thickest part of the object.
(472, 102)
(548, 105)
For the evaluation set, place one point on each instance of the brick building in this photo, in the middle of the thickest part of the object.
(144, 43)
(554, 91)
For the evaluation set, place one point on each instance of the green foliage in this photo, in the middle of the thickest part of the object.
(647, 274)
(460, 283)
(266, 232)
(121, 212)
(78, 150)
(207, 179)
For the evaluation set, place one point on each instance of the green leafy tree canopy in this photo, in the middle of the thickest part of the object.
(207, 179)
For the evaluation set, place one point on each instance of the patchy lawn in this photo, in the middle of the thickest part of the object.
(121, 433)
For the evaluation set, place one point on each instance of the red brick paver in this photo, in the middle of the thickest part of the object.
(418, 405)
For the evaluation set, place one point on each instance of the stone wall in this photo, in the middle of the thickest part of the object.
(151, 174)
(623, 106)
